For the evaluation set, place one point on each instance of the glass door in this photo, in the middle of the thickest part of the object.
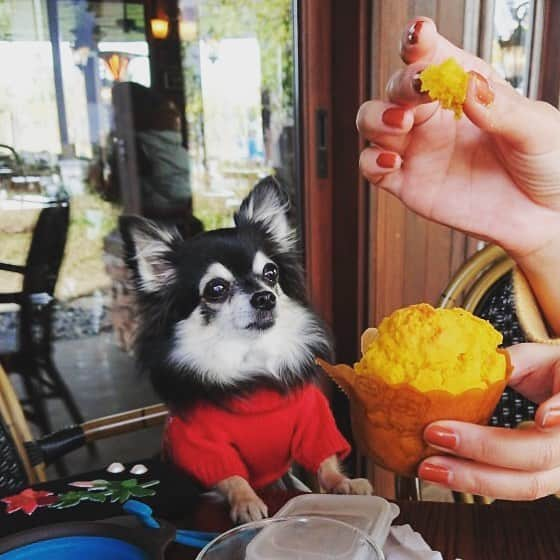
(172, 109)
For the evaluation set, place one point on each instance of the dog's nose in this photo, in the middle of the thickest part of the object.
(265, 301)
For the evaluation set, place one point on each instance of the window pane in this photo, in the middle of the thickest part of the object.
(511, 47)
(240, 105)
(114, 108)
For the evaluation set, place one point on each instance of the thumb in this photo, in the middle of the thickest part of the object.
(528, 357)
(548, 413)
(497, 108)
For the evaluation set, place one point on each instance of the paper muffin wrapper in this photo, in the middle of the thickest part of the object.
(388, 421)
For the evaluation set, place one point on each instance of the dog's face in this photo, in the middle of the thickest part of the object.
(225, 310)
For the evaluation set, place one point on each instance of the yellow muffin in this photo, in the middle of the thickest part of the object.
(435, 349)
(422, 365)
(446, 83)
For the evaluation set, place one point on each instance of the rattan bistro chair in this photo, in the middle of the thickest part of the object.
(23, 460)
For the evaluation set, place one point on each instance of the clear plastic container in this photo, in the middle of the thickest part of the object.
(293, 538)
(371, 514)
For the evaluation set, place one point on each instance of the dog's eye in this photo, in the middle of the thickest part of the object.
(216, 290)
(270, 273)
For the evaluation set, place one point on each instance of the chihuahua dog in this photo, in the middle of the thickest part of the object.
(229, 341)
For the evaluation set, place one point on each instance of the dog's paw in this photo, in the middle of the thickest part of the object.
(248, 508)
(356, 486)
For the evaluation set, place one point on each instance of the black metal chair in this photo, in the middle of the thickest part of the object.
(27, 349)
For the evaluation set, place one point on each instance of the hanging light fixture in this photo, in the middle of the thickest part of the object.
(159, 27)
(116, 63)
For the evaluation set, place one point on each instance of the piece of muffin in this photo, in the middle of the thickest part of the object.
(446, 83)
(422, 365)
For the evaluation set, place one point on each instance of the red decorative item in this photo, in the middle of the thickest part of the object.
(29, 500)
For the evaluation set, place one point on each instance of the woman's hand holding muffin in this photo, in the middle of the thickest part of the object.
(521, 464)
(494, 173)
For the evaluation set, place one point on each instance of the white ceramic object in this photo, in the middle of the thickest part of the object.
(139, 469)
(115, 468)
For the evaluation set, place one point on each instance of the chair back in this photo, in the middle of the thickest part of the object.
(47, 249)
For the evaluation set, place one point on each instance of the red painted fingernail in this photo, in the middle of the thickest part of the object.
(414, 32)
(441, 437)
(434, 473)
(394, 116)
(387, 160)
(482, 90)
(551, 418)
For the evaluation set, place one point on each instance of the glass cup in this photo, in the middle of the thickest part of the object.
(293, 538)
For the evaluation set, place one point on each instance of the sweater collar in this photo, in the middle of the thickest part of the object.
(263, 400)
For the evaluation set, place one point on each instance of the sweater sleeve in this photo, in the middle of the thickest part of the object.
(529, 313)
(201, 452)
(316, 435)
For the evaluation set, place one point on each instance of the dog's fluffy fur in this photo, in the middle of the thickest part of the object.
(225, 313)
(197, 349)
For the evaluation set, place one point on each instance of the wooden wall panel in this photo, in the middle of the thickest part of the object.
(411, 259)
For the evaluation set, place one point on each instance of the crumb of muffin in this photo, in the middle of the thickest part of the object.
(446, 83)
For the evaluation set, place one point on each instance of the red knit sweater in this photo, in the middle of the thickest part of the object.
(257, 438)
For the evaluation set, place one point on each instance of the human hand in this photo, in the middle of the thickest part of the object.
(495, 173)
(522, 464)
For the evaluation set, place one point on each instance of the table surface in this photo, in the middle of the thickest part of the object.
(516, 531)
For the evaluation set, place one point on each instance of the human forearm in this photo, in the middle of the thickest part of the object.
(542, 271)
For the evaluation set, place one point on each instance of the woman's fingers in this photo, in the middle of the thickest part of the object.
(385, 124)
(487, 480)
(528, 450)
(419, 40)
(381, 167)
(421, 43)
(500, 110)
(536, 373)
(404, 86)
(548, 414)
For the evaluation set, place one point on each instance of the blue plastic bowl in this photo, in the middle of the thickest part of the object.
(115, 539)
(77, 548)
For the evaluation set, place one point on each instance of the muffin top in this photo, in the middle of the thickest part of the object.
(435, 349)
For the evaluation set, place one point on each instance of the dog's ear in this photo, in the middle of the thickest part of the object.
(267, 207)
(148, 252)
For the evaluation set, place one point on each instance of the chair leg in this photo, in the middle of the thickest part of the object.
(408, 488)
(63, 391)
(30, 377)
(67, 398)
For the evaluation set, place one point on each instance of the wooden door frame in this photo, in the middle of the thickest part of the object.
(334, 41)
(334, 78)
(549, 77)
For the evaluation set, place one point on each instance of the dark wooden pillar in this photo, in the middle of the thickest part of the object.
(166, 56)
